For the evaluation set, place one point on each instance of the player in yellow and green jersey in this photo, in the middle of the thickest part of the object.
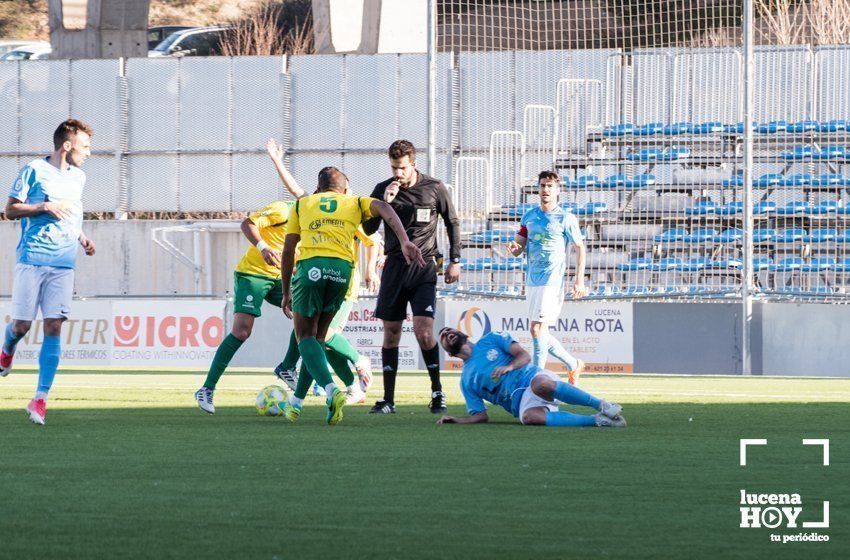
(323, 225)
(256, 278)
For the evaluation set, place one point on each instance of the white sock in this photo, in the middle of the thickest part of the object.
(40, 395)
(293, 400)
(349, 388)
(329, 388)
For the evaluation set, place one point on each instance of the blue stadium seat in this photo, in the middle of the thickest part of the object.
(646, 154)
(679, 128)
(569, 207)
(799, 179)
(591, 208)
(636, 290)
(821, 235)
(635, 264)
(830, 179)
(843, 266)
(520, 209)
(711, 127)
(768, 180)
(492, 236)
(790, 235)
(483, 263)
(787, 264)
(737, 128)
(761, 263)
(623, 129)
(586, 181)
(728, 263)
(669, 263)
(763, 235)
(809, 153)
(729, 236)
(764, 207)
(695, 264)
(833, 126)
(845, 209)
(799, 153)
(649, 129)
(511, 263)
(671, 236)
(734, 181)
(844, 237)
(675, 153)
(731, 208)
(702, 208)
(825, 207)
(794, 207)
(803, 126)
(818, 264)
(634, 182)
(772, 127)
(700, 236)
(832, 152)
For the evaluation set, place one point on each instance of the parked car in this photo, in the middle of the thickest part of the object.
(7, 45)
(29, 51)
(198, 41)
(157, 35)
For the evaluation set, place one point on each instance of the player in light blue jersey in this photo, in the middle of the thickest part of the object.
(545, 234)
(496, 369)
(47, 197)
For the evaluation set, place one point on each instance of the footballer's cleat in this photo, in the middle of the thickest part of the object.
(364, 372)
(292, 412)
(354, 395)
(609, 409)
(336, 403)
(288, 376)
(318, 391)
(574, 375)
(204, 396)
(382, 407)
(438, 403)
(604, 422)
(5, 363)
(37, 410)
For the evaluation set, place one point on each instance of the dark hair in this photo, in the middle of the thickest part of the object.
(548, 176)
(401, 148)
(331, 179)
(460, 341)
(67, 130)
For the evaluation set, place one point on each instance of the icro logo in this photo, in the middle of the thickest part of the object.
(474, 323)
(168, 331)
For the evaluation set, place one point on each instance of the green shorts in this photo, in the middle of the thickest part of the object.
(341, 318)
(319, 285)
(250, 290)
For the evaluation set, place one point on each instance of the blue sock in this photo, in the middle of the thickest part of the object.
(563, 418)
(10, 340)
(48, 361)
(571, 394)
(538, 358)
(561, 353)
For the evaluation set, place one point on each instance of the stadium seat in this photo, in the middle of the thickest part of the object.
(794, 207)
(679, 128)
(734, 181)
(634, 182)
(657, 154)
(772, 127)
(832, 152)
(618, 130)
(520, 209)
(787, 264)
(668, 263)
(737, 128)
(809, 153)
(799, 179)
(649, 129)
(586, 181)
(709, 128)
(833, 126)
(591, 208)
(636, 290)
(844, 237)
(768, 180)
(803, 126)
(761, 263)
(671, 236)
(731, 208)
(729, 236)
(736, 264)
(764, 207)
(635, 264)
(483, 263)
(818, 264)
(821, 235)
(492, 236)
(700, 236)
(569, 207)
(702, 208)
(696, 264)
(763, 235)
(843, 266)
(675, 153)
(830, 179)
(790, 235)
(511, 263)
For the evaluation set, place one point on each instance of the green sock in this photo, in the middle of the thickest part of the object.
(339, 363)
(290, 360)
(340, 345)
(313, 357)
(304, 382)
(222, 358)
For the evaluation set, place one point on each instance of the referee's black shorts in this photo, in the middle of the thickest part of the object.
(401, 284)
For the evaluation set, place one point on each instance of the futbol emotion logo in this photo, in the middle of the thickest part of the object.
(314, 274)
(168, 331)
(474, 323)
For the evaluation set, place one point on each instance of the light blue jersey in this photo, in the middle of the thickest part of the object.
(45, 240)
(476, 381)
(549, 235)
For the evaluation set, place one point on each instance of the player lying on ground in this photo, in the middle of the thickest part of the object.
(498, 370)
(337, 347)
(545, 233)
(47, 196)
(325, 224)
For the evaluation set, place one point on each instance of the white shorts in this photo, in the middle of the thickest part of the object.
(530, 400)
(45, 287)
(544, 303)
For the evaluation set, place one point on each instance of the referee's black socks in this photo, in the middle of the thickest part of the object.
(432, 362)
(389, 358)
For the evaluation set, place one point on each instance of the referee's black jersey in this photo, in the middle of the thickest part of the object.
(418, 208)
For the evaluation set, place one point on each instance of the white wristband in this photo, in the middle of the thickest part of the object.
(261, 245)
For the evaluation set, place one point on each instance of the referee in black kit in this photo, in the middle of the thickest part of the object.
(418, 200)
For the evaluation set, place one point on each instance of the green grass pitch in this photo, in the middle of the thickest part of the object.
(128, 466)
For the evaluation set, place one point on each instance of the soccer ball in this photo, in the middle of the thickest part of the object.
(270, 401)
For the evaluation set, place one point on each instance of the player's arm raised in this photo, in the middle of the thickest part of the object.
(252, 233)
(477, 418)
(276, 153)
(521, 358)
(412, 253)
